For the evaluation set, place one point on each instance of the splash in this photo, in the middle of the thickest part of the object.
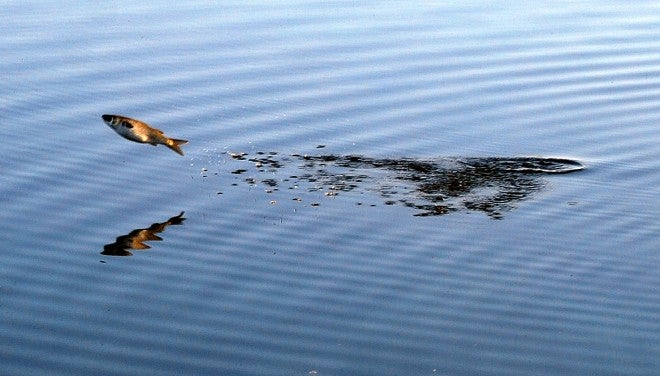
(429, 186)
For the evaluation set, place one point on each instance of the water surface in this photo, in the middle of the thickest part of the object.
(356, 197)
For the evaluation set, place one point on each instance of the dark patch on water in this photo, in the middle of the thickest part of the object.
(431, 187)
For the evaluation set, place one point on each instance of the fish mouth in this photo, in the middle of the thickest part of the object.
(107, 118)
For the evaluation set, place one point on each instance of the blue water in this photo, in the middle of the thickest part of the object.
(348, 196)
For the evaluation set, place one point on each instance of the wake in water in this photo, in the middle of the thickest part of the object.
(431, 187)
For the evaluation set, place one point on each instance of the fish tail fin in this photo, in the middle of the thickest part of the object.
(175, 144)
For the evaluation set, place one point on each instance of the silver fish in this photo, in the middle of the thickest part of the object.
(138, 131)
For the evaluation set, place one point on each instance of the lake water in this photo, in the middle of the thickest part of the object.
(368, 189)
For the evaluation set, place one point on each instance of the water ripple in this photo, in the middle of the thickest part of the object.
(310, 259)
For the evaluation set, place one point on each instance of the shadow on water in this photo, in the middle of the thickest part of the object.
(136, 238)
(431, 187)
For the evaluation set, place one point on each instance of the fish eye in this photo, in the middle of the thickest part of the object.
(126, 124)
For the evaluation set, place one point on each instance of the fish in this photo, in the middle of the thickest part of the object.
(138, 131)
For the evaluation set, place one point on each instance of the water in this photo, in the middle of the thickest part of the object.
(356, 195)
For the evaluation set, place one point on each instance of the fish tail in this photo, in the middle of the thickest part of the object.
(175, 144)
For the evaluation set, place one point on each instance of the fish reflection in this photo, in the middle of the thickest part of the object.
(136, 238)
(431, 187)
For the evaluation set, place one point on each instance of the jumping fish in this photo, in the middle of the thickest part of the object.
(138, 131)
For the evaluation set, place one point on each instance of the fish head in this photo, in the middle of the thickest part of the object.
(118, 123)
(111, 120)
